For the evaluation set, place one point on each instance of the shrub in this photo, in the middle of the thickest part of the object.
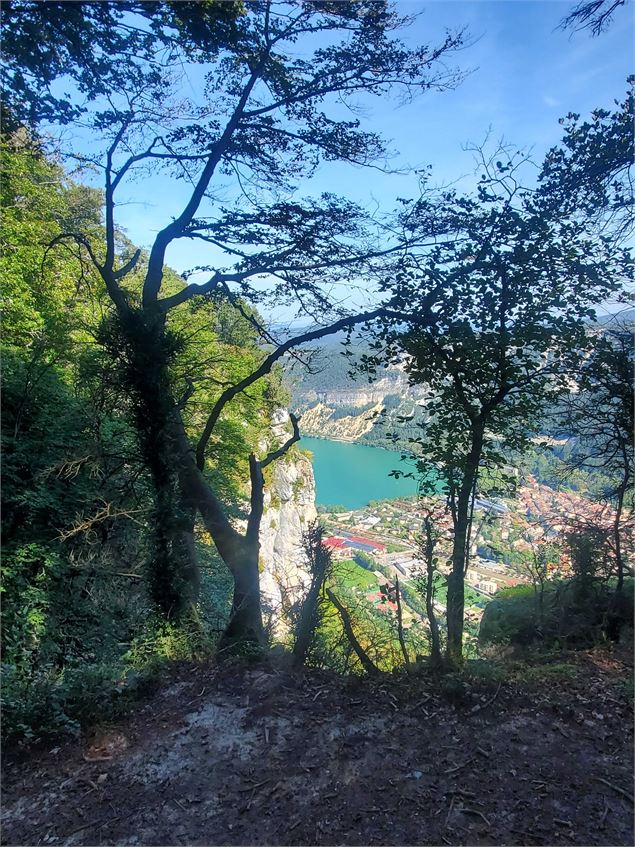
(569, 616)
(50, 703)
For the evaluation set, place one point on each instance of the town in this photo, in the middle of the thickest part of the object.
(384, 538)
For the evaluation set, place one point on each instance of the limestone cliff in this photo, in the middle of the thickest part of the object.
(320, 420)
(334, 406)
(289, 508)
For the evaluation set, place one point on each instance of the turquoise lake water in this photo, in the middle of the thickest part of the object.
(351, 475)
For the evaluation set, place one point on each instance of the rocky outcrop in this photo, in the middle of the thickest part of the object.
(289, 509)
(352, 412)
(356, 394)
(319, 420)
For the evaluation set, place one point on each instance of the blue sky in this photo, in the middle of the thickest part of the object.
(524, 73)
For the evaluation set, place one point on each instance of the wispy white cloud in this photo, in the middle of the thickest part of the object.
(550, 101)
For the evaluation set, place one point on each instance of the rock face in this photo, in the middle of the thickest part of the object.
(337, 407)
(289, 508)
(318, 420)
(365, 419)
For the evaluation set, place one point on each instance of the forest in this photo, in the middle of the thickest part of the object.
(189, 653)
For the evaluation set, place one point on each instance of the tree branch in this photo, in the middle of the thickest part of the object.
(366, 662)
(154, 275)
(270, 361)
(277, 454)
(129, 266)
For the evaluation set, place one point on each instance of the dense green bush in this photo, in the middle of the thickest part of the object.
(568, 616)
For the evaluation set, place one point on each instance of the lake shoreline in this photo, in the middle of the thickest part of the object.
(350, 441)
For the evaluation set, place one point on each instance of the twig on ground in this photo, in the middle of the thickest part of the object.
(489, 702)
(604, 813)
(255, 785)
(196, 698)
(447, 817)
(615, 788)
(463, 792)
(98, 822)
(471, 811)
(459, 767)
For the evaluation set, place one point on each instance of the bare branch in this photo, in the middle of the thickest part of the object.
(277, 454)
(365, 660)
(129, 266)
(270, 361)
(591, 14)
(154, 275)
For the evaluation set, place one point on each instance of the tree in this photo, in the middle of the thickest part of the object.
(519, 280)
(320, 567)
(599, 414)
(78, 519)
(426, 547)
(101, 47)
(74, 496)
(595, 15)
(537, 566)
(590, 172)
(262, 118)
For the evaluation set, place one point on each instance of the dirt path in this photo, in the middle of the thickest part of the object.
(263, 756)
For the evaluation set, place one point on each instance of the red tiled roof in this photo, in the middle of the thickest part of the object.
(334, 542)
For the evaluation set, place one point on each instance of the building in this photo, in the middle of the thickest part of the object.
(487, 585)
(356, 542)
(341, 546)
(338, 549)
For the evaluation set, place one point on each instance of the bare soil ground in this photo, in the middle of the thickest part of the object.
(261, 755)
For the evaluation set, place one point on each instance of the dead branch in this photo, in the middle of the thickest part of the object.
(83, 525)
(268, 363)
(400, 635)
(368, 665)
(615, 788)
(489, 702)
(277, 454)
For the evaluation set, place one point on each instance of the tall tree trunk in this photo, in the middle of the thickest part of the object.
(320, 558)
(245, 622)
(189, 556)
(456, 580)
(616, 610)
(617, 539)
(239, 552)
(181, 489)
(140, 341)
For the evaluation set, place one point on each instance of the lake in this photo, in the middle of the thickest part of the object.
(352, 475)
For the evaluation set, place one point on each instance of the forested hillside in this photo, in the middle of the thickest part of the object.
(81, 602)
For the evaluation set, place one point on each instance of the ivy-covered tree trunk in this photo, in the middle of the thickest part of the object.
(143, 346)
